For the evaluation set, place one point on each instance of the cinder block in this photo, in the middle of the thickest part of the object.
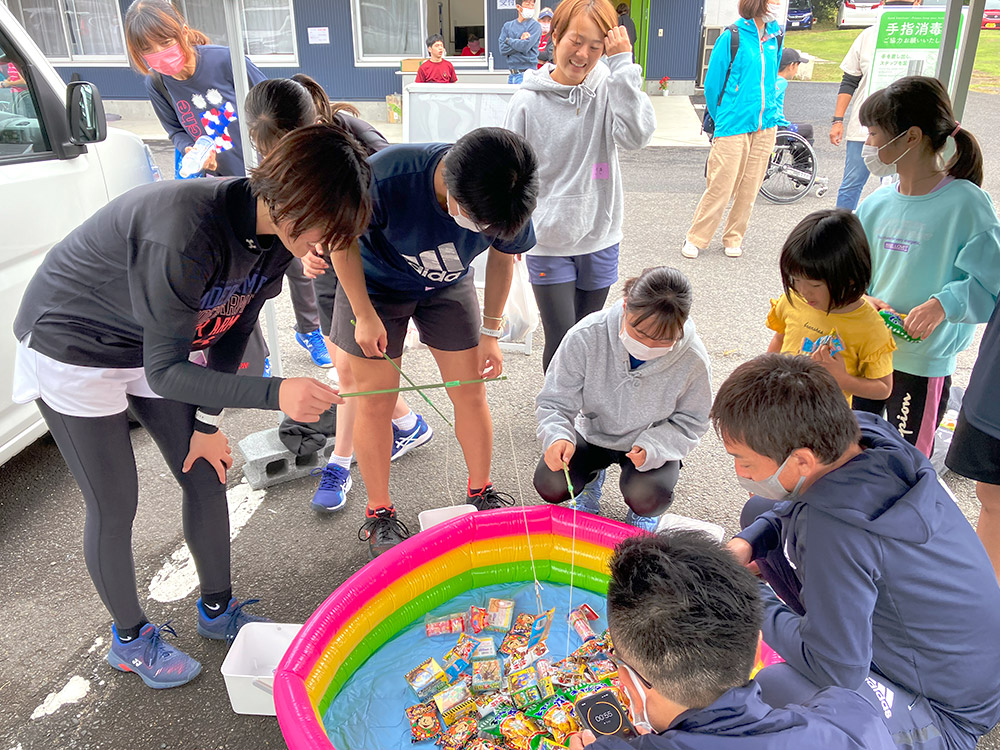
(269, 462)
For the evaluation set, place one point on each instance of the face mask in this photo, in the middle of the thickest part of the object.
(546, 27)
(772, 13)
(945, 156)
(875, 165)
(528, 12)
(461, 219)
(639, 350)
(169, 61)
(644, 720)
(771, 488)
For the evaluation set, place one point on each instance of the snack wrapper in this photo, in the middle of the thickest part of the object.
(578, 621)
(480, 743)
(513, 643)
(518, 730)
(525, 659)
(463, 650)
(488, 703)
(427, 679)
(557, 716)
(487, 648)
(894, 322)
(454, 702)
(487, 675)
(590, 649)
(602, 669)
(499, 615)
(444, 624)
(475, 620)
(831, 339)
(424, 723)
(459, 734)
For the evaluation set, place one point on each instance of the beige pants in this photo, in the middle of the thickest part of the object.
(736, 168)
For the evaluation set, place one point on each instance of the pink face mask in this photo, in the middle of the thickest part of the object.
(169, 61)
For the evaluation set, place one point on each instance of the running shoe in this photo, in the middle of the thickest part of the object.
(590, 499)
(404, 441)
(334, 484)
(158, 664)
(646, 523)
(488, 498)
(224, 627)
(314, 343)
(382, 530)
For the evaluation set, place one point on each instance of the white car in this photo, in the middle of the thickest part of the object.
(859, 13)
(59, 163)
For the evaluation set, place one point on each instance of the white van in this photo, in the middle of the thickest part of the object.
(59, 163)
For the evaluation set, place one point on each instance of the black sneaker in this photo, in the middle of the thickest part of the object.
(382, 530)
(489, 499)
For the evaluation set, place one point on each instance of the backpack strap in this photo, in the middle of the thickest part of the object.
(159, 85)
(734, 47)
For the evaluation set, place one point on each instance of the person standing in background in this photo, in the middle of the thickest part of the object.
(519, 41)
(857, 66)
(624, 19)
(544, 48)
(437, 69)
(473, 47)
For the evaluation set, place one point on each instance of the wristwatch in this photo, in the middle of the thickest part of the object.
(492, 332)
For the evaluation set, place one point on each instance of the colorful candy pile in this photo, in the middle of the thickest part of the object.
(514, 697)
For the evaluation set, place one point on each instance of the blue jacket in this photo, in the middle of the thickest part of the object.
(833, 719)
(521, 54)
(749, 102)
(893, 579)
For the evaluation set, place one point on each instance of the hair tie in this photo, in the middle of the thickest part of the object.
(958, 126)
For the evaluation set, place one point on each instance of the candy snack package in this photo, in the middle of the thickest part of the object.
(424, 723)
(499, 615)
(894, 322)
(487, 675)
(540, 628)
(831, 339)
(557, 716)
(487, 648)
(518, 730)
(464, 649)
(475, 620)
(455, 701)
(427, 679)
(459, 734)
(579, 620)
(444, 624)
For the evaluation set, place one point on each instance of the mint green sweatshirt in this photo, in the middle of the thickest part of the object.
(946, 245)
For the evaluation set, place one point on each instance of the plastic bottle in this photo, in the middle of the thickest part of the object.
(491, 61)
(194, 160)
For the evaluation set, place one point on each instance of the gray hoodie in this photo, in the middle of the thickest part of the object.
(576, 131)
(661, 406)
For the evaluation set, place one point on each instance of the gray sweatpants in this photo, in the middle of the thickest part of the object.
(99, 453)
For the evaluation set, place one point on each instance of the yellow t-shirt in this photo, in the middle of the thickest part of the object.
(868, 344)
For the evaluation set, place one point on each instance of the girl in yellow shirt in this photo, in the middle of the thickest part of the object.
(825, 269)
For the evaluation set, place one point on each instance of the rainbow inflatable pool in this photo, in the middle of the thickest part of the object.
(420, 574)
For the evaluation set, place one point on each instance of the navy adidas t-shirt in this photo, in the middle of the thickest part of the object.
(412, 246)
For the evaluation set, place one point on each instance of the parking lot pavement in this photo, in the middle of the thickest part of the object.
(55, 631)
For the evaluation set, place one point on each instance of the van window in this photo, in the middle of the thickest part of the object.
(21, 130)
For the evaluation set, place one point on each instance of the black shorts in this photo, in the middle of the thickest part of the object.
(973, 453)
(326, 292)
(447, 319)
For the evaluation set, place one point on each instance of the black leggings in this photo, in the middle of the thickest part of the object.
(98, 451)
(915, 407)
(560, 306)
(647, 493)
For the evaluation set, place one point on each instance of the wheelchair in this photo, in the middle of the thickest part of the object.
(791, 171)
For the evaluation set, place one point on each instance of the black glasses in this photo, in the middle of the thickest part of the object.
(622, 663)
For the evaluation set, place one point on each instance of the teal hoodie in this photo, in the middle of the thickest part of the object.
(749, 102)
(945, 245)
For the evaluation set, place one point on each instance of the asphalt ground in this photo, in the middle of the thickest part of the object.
(55, 630)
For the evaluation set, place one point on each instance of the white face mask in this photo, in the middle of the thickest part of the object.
(639, 350)
(546, 26)
(528, 12)
(771, 488)
(461, 219)
(773, 11)
(870, 155)
(637, 683)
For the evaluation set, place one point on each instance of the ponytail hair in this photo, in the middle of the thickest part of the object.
(659, 300)
(922, 102)
(157, 22)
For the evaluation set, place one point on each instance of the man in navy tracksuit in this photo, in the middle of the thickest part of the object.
(684, 618)
(884, 587)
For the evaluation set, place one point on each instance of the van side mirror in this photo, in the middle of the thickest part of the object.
(85, 112)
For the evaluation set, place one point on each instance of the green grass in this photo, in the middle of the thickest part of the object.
(829, 45)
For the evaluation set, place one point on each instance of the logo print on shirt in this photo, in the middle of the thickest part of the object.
(442, 265)
(899, 245)
(884, 694)
(222, 306)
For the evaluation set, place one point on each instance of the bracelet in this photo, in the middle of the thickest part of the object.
(838, 119)
(490, 317)
(210, 419)
(491, 332)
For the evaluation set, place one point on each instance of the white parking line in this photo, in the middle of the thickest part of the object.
(73, 692)
(178, 577)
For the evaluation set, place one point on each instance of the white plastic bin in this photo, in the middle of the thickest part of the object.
(434, 516)
(249, 666)
(672, 521)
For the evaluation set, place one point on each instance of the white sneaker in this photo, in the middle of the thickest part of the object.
(734, 252)
(690, 250)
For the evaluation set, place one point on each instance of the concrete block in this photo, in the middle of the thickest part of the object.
(269, 462)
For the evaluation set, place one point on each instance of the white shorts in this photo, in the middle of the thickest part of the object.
(74, 390)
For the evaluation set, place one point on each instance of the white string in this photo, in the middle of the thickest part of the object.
(524, 515)
(572, 568)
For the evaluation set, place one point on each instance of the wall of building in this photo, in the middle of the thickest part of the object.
(675, 54)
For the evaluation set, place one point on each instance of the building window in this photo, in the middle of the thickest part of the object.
(387, 31)
(87, 30)
(268, 27)
(456, 21)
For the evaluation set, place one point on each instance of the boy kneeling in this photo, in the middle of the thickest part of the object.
(886, 589)
(685, 618)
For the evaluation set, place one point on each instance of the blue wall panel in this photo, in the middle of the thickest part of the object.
(675, 54)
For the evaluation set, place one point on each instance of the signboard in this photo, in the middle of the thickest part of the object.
(444, 112)
(319, 34)
(908, 44)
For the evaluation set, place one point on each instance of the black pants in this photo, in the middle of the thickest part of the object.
(647, 493)
(300, 287)
(98, 451)
(560, 306)
(915, 407)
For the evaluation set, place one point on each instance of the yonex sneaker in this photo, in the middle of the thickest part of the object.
(158, 664)
(224, 627)
(334, 484)
(314, 343)
(406, 440)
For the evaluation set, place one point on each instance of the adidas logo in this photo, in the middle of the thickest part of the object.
(884, 695)
(440, 265)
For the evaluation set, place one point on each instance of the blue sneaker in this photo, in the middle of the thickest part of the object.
(159, 665)
(314, 344)
(334, 484)
(646, 523)
(224, 627)
(406, 440)
(590, 499)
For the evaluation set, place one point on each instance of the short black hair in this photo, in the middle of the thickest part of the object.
(777, 403)
(493, 174)
(829, 246)
(662, 297)
(684, 614)
(434, 38)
